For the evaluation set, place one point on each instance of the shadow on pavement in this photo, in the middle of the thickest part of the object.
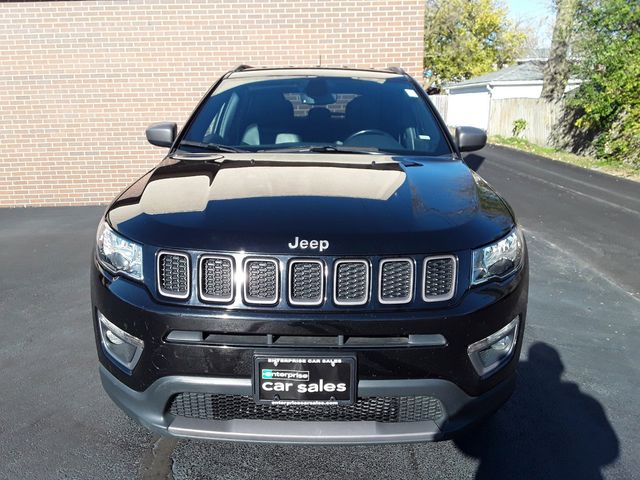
(549, 429)
(474, 161)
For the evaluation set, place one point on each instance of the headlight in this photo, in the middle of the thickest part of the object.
(498, 259)
(117, 254)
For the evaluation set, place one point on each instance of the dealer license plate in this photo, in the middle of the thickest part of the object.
(304, 379)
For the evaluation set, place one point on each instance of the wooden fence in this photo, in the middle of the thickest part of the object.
(441, 102)
(541, 118)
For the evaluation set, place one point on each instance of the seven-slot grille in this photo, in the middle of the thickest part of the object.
(306, 280)
(396, 281)
(261, 283)
(351, 282)
(439, 278)
(173, 274)
(216, 278)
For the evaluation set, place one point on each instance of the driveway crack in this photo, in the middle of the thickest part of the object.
(157, 463)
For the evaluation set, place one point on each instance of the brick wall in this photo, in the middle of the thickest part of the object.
(81, 80)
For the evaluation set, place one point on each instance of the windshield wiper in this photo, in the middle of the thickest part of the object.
(212, 147)
(184, 155)
(340, 149)
(324, 149)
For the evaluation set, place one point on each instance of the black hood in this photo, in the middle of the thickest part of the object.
(359, 204)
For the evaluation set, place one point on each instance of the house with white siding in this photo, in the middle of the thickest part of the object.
(469, 101)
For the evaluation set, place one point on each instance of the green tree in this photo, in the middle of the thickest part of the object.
(608, 55)
(465, 38)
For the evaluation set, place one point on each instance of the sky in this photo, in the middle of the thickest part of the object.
(536, 13)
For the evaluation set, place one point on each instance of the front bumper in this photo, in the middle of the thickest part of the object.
(149, 409)
(167, 369)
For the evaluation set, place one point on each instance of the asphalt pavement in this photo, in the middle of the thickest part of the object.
(574, 413)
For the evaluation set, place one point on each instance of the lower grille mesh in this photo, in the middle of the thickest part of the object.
(207, 406)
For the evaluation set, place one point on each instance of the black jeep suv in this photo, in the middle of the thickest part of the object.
(311, 262)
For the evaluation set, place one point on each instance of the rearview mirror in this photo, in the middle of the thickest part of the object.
(470, 138)
(162, 134)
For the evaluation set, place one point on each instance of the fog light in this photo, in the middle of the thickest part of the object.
(492, 352)
(113, 338)
(121, 347)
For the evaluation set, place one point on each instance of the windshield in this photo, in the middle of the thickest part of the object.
(324, 114)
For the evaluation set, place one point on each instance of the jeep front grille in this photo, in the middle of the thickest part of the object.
(173, 274)
(261, 283)
(306, 282)
(351, 285)
(396, 281)
(439, 278)
(208, 406)
(216, 278)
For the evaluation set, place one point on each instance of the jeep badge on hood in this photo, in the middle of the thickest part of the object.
(320, 245)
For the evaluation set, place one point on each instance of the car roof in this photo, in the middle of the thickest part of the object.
(245, 72)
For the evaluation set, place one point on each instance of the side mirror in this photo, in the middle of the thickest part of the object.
(162, 134)
(470, 138)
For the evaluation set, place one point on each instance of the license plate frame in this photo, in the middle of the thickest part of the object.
(321, 369)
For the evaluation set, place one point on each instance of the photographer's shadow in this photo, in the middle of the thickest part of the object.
(549, 429)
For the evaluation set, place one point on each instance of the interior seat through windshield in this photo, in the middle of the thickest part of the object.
(297, 112)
